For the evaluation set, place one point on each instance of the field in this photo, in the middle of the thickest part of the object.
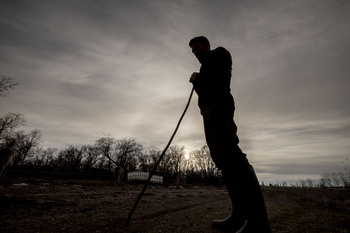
(52, 205)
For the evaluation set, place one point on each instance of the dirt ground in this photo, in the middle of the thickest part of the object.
(51, 205)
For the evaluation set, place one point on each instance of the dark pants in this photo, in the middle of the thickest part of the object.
(221, 136)
(242, 184)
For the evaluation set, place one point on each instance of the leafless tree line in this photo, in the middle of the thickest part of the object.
(106, 153)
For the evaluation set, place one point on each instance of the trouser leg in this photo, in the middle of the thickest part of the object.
(241, 181)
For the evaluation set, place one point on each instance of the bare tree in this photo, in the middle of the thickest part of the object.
(69, 160)
(7, 157)
(6, 84)
(147, 160)
(90, 158)
(165, 166)
(176, 155)
(172, 163)
(204, 162)
(26, 144)
(9, 122)
(144, 162)
(44, 158)
(105, 146)
(126, 153)
(121, 152)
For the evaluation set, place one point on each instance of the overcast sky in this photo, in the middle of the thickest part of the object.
(92, 68)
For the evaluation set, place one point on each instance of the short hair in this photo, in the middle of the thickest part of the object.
(199, 39)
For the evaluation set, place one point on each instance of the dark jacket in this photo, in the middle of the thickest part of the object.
(212, 84)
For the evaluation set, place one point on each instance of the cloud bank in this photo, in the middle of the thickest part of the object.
(90, 68)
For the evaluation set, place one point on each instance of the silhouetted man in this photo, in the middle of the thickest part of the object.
(212, 85)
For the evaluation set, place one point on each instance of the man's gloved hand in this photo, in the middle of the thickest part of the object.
(193, 77)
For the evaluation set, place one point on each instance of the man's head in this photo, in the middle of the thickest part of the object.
(200, 46)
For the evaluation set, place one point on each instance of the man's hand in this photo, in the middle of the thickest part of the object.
(193, 77)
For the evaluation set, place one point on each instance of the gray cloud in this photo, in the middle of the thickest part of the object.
(87, 69)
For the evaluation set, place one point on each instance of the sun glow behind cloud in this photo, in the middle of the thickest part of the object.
(187, 155)
(122, 68)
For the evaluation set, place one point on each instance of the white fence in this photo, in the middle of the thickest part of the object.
(143, 176)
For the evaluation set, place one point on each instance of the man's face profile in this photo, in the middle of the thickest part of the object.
(199, 49)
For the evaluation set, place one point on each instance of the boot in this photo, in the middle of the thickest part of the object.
(229, 224)
(247, 201)
(237, 220)
(254, 203)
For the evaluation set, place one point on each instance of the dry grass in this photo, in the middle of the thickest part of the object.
(93, 206)
(308, 209)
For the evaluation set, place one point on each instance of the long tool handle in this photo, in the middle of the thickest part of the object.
(157, 163)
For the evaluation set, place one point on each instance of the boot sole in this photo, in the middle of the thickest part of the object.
(242, 228)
